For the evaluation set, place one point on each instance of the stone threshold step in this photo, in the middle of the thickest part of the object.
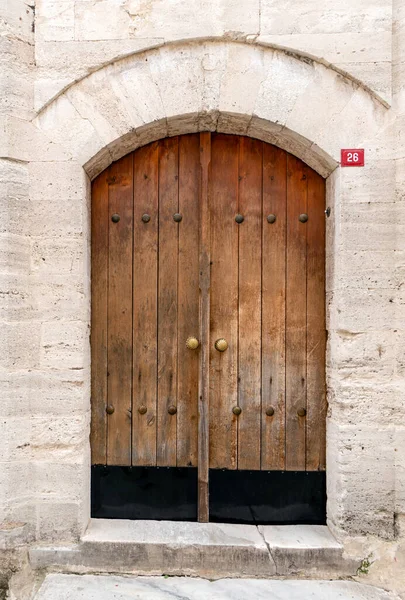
(211, 550)
(104, 587)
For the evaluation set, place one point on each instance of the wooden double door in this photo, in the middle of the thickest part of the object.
(216, 240)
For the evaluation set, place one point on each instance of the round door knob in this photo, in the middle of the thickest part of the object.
(192, 343)
(270, 411)
(142, 410)
(110, 409)
(236, 410)
(221, 345)
(172, 410)
(301, 412)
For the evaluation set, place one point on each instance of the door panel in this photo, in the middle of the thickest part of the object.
(258, 283)
(224, 301)
(188, 299)
(167, 302)
(145, 310)
(274, 230)
(250, 302)
(119, 353)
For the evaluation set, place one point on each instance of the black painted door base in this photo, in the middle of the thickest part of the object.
(170, 493)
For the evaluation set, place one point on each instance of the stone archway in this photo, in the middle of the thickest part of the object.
(299, 105)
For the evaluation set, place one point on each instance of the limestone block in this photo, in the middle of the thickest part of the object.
(379, 310)
(299, 17)
(17, 19)
(16, 477)
(62, 439)
(35, 392)
(371, 401)
(361, 476)
(60, 256)
(55, 20)
(64, 343)
(372, 226)
(14, 181)
(61, 481)
(63, 124)
(372, 183)
(60, 521)
(60, 64)
(23, 141)
(96, 100)
(179, 19)
(399, 457)
(286, 78)
(137, 92)
(327, 99)
(178, 70)
(375, 75)
(244, 71)
(367, 269)
(214, 62)
(20, 345)
(14, 256)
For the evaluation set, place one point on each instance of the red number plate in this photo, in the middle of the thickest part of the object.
(352, 157)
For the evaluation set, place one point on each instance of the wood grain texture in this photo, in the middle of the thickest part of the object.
(250, 303)
(224, 300)
(167, 302)
(274, 296)
(296, 314)
(316, 327)
(120, 312)
(188, 299)
(204, 327)
(144, 426)
(99, 282)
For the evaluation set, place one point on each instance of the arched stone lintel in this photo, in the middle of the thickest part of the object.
(254, 127)
(300, 106)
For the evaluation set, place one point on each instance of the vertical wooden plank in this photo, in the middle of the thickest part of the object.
(273, 317)
(188, 300)
(296, 314)
(120, 312)
(316, 326)
(144, 389)
(204, 317)
(167, 302)
(250, 301)
(224, 300)
(99, 279)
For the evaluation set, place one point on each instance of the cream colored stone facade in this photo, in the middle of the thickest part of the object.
(82, 83)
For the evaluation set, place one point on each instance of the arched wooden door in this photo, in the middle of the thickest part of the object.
(216, 237)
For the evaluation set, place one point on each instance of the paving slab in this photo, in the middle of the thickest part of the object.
(104, 587)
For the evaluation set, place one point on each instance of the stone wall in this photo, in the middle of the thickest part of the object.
(110, 75)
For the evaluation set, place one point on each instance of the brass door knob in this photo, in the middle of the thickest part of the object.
(221, 345)
(192, 343)
(110, 409)
(236, 410)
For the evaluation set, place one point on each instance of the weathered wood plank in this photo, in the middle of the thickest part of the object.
(99, 281)
(167, 302)
(224, 301)
(120, 312)
(204, 328)
(145, 306)
(188, 299)
(273, 319)
(250, 302)
(316, 327)
(296, 314)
